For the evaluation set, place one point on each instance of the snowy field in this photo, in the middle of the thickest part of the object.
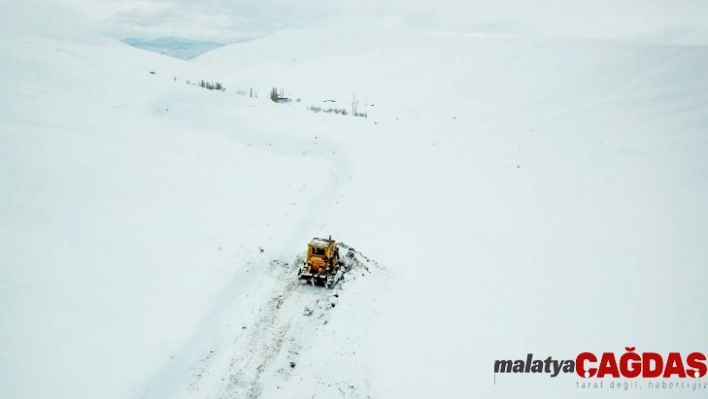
(505, 195)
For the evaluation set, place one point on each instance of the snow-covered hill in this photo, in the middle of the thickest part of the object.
(512, 195)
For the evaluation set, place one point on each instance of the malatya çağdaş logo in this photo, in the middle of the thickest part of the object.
(630, 364)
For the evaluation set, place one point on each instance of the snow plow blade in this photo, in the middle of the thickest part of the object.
(310, 278)
(328, 281)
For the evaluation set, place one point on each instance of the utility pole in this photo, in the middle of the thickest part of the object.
(354, 103)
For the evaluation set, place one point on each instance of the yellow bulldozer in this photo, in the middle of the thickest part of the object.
(321, 265)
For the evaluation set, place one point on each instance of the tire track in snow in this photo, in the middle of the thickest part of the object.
(279, 325)
(291, 321)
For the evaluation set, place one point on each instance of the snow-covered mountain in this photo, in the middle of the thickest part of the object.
(505, 195)
(174, 46)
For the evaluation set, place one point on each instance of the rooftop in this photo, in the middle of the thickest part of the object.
(320, 242)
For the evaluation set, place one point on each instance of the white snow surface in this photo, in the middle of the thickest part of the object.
(514, 195)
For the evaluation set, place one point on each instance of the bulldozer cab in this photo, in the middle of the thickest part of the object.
(321, 249)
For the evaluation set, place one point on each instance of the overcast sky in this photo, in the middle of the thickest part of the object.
(678, 21)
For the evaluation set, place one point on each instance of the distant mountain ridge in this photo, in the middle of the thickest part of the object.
(185, 49)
